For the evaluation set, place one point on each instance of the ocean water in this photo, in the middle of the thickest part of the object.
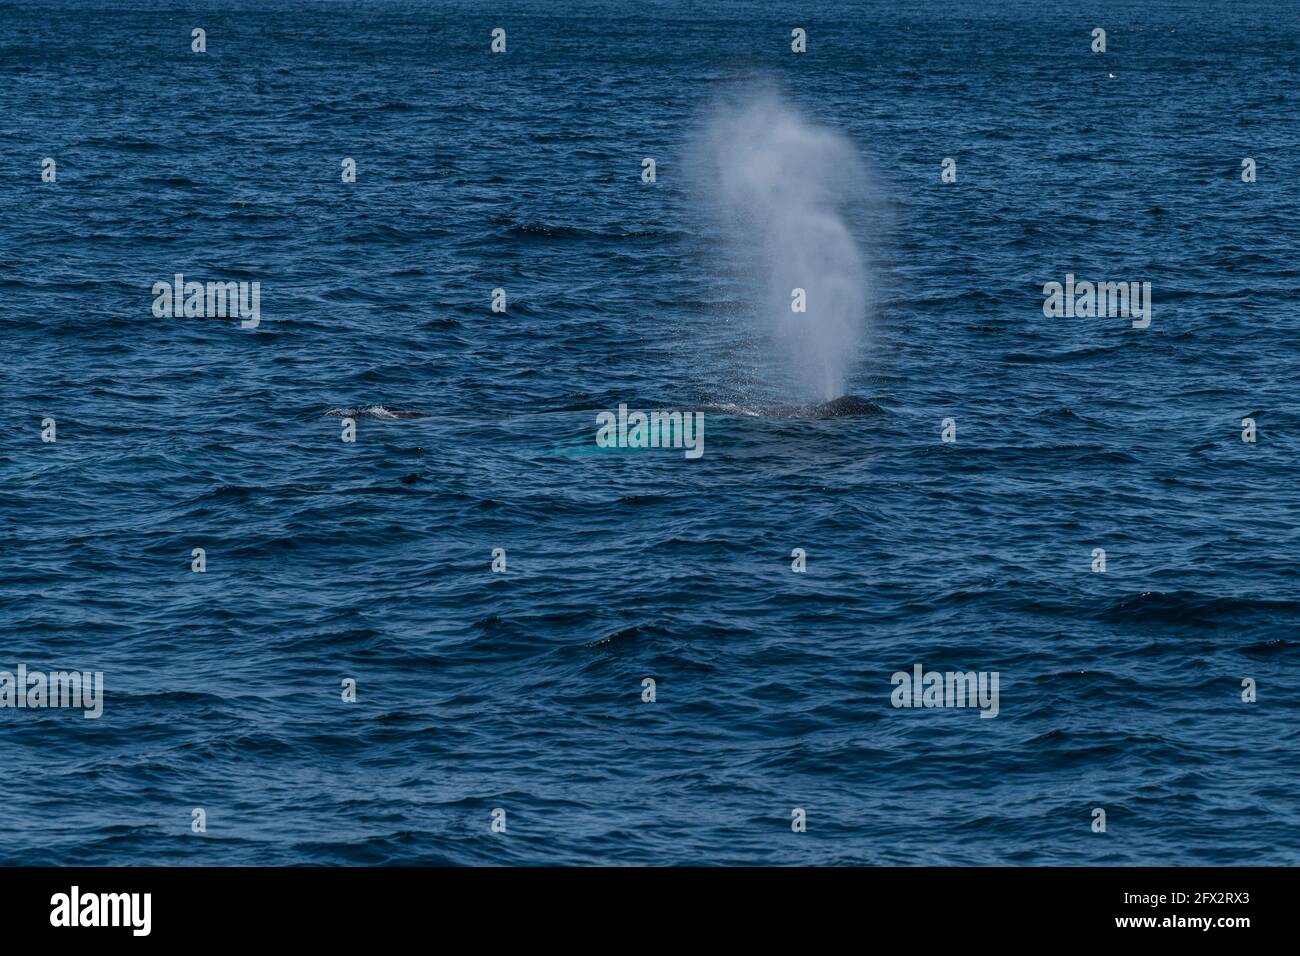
(522, 690)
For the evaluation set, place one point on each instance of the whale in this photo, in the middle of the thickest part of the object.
(846, 406)
(375, 411)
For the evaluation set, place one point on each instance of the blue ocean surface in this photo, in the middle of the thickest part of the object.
(1162, 690)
